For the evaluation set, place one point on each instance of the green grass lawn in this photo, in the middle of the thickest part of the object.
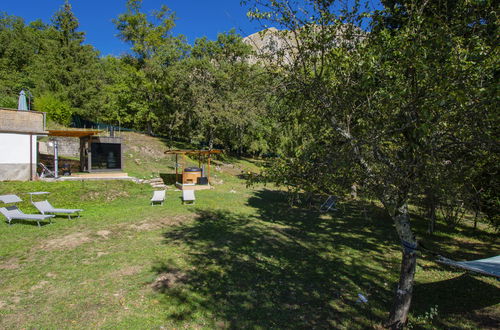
(239, 258)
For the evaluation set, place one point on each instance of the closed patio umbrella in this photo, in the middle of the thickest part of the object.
(21, 104)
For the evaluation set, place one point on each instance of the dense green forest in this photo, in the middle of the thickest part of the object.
(205, 93)
(398, 105)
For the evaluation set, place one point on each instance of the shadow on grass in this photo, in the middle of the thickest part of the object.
(169, 178)
(456, 294)
(280, 268)
(461, 295)
(33, 223)
(283, 267)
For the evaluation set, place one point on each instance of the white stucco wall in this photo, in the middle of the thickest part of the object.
(15, 148)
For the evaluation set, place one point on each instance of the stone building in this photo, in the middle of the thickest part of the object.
(19, 130)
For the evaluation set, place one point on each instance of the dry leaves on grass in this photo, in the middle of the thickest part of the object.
(149, 225)
(127, 271)
(67, 242)
(107, 195)
(10, 264)
(104, 233)
(168, 280)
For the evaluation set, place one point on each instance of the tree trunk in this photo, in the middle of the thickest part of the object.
(150, 127)
(476, 215)
(210, 141)
(354, 191)
(430, 202)
(404, 292)
(432, 222)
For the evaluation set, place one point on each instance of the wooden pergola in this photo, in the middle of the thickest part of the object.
(73, 133)
(199, 153)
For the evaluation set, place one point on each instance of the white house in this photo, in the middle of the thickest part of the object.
(18, 143)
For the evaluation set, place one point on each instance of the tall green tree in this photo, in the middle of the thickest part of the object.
(20, 44)
(65, 66)
(389, 107)
(146, 35)
(155, 50)
(115, 94)
(50, 60)
(223, 95)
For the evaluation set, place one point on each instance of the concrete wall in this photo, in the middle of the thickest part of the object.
(15, 156)
(67, 146)
(15, 172)
(15, 148)
(12, 121)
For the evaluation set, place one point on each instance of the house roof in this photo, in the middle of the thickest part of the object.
(73, 132)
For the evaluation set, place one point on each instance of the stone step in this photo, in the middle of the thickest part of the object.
(100, 175)
(154, 180)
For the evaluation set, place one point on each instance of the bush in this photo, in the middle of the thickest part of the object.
(8, 102)
(424, 321)
(57, 110)
(453, 212)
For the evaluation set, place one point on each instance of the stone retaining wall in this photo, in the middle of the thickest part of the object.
(67, 146)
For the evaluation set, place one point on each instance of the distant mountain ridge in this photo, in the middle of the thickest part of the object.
(281, 46)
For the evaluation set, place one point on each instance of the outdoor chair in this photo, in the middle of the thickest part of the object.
(188, 196)
(13, 213)
(10, 199)
(329, 204)
(158, 197)
(45, 207)
(46, 173)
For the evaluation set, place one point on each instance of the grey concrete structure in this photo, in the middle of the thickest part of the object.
(18, 148)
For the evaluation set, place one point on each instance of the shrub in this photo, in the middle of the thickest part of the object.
(57, 110)
(8, 102)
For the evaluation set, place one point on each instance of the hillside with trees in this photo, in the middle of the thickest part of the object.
(206, 93)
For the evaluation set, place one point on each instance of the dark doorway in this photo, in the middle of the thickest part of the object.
(106, 156)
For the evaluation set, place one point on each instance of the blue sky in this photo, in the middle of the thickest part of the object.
(196, 18)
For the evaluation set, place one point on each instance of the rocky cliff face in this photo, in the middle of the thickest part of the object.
(271, 44)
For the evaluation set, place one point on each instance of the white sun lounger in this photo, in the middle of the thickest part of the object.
(45, 207)
(188, 196)
(13, 213)
(158, 197)
(10, 199)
